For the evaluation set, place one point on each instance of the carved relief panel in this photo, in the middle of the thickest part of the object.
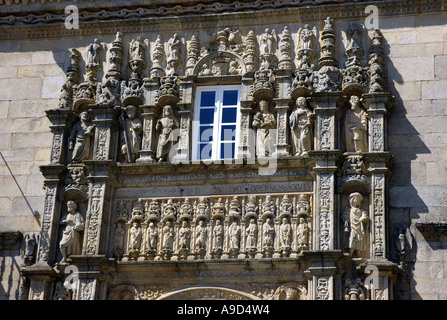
(212, 227)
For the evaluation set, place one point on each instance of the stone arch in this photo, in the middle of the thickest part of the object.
(219, 63)
(207, 293)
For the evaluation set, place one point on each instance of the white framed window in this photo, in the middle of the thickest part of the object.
(215, 130)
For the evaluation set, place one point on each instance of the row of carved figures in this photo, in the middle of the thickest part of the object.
(300, 121)
(218, 228)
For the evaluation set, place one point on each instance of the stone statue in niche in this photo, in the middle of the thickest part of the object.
(218, 236)
(200, 243)
(268, 233)
(285, 231)
(79, 141)
(356, 127)
(235, 234)
(131, 137)
(252, 235)
(168, 236)
(300, 121)
(303, 234)
(356, 222)
(73, 222)
(166, 126)
(152, 237)
(184, 235)
(264, 121)
(135, 237)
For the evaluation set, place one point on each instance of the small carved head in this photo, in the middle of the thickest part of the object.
(71, 206)
(355, 102)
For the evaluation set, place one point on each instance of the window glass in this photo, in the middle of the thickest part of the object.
(229, 115)
(230, 97)
(208, 99)
(215, 124)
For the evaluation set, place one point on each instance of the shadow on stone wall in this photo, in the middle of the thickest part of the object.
(405, 203)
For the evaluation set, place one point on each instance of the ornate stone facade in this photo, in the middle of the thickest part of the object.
(303, 201)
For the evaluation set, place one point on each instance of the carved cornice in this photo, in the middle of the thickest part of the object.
(37, 21)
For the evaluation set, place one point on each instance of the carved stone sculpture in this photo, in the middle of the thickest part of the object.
(218, 234)
(268, 233)
(166, 126)
(201, 237)
(356, 127)
(268, 42)
(264, 121)
(73, 222)
(251, 234)
(285, 234)
(301, 120)
(135, 239)
(356, 223)
(303, 234)
(168, 235)
(152, 237)
(80, 139)
(235, 234)
(131, 135)
(185, 236)
(174, 54)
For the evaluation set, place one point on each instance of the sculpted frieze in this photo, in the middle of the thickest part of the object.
(213, 227)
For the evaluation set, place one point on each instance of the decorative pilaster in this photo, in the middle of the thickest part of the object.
(282, 136)
(325, 226)
(61, 120)
(100, 190)
(105, 145)
(326, 120)
(148, 149)
(246, 145)
(51, 214)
